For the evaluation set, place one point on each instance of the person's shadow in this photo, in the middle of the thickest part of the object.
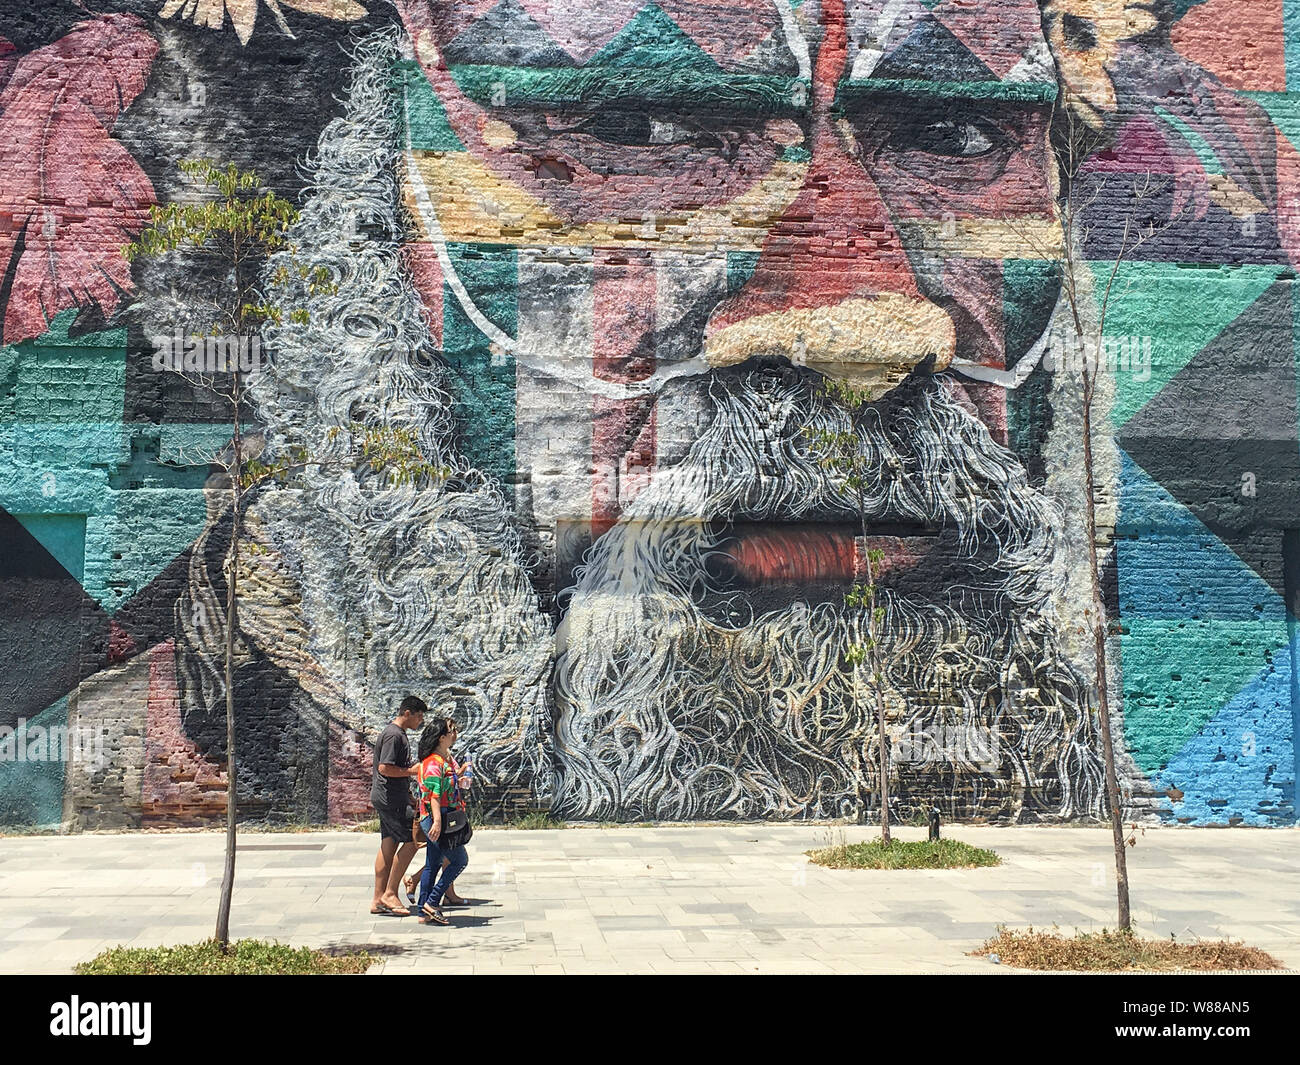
(466, 920)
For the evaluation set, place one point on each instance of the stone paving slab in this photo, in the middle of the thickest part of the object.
(735, 899)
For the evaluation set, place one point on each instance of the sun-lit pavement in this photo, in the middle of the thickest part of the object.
(690, 899)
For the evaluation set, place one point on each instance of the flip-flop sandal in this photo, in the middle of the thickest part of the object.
(388, 911)
(434, 915)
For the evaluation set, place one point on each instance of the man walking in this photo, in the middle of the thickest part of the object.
(391, 795)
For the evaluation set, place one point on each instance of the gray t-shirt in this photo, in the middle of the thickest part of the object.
(392, 793)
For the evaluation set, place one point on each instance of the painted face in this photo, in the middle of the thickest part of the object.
(618, 199)
(620, 194)
(884, 138)
(648, 233)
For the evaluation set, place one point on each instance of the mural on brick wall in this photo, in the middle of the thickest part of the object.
(598, 258)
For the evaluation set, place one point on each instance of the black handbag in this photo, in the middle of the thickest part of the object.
(456, 829)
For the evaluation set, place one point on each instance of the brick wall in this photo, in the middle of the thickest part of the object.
(601, 257)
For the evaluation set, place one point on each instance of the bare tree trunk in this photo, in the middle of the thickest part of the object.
(232, 599)
(1099, 641)
(876, 675)
(884, 767)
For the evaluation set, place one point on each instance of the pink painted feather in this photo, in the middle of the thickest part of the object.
(70, 195)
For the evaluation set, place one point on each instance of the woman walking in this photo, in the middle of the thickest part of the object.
(442, 817)
(464, 777)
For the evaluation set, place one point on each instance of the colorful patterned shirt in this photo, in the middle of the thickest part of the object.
(439, 777)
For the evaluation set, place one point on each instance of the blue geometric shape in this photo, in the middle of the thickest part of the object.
(1240, 768)
(1172, 567)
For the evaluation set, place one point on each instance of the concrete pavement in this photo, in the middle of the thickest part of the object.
(734, 899)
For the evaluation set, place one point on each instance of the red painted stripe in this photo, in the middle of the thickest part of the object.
(426, 274)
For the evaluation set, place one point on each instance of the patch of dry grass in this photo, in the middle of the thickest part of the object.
(245, 957)
(1108, 951)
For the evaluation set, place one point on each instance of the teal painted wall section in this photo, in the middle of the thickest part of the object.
(67, 455)
(1291, 31)
(31, 792)
(483, 380)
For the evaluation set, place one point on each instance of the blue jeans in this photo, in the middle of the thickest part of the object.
(434, 852)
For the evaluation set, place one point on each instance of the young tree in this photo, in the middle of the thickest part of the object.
(1088, 305)
(841, 452)
(236, 228)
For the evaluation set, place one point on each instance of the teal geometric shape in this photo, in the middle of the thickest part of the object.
(630, 87)
(62, 535)
(427, 125)
(1181, 310)
(740, 268)
(482, 380)
(1029, 290)
(63, 380)
(652, 39)
(1178, 675)
(154, 510)
(1208, 157)
(1283, 111)
(97, 492)
(31, 792)
(135, 540)
(1291, 37)
(63, 404)
(1240, 767)
(1181, 671)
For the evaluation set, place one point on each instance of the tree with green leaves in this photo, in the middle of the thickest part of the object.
(842, 453)
(235, 228)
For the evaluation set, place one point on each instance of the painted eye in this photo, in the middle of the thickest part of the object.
(669, 132)
(639, 129)
(956, 139)
(618, 127)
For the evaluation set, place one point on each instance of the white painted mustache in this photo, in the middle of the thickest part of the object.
(666, 712)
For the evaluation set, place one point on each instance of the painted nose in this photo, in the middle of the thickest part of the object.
(833, 288)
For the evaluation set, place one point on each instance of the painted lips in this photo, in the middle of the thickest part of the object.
(815, 553)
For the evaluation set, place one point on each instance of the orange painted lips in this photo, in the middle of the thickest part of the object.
(808, 554)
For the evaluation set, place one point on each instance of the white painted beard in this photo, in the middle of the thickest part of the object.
(673, 704)
(666, 711)
(375, 588)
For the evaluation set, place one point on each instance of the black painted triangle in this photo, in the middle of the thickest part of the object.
(50, 629)
(932, 52)
(1221, 436)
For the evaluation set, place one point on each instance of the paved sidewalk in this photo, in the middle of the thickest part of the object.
(645, 900)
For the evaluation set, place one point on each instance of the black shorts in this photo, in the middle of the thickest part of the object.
(395, 824)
